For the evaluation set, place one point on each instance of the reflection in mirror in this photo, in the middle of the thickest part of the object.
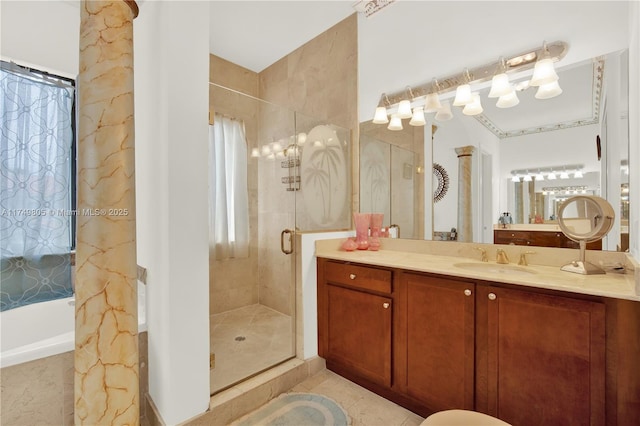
(584, 219)
(392, 178)
(532, 139)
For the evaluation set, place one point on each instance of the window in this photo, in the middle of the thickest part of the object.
(37, 187)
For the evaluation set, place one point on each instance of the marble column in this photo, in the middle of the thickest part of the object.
(465, 219)
(106, 349)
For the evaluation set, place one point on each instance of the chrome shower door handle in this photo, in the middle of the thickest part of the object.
(290, 232)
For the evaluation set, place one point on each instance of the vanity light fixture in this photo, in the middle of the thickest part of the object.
(444, 112)
(578, 174)
(564, 175)
(544, 71)
(463, 92)
(515, 179)
(539, 60)
(417, 119)
(380, 116)
(395, 123)
(527, 178)
(539, 176)
(474, 107)
(432, 102)
(255, 152)
(500, 85)
(551, 176)
(404, 107)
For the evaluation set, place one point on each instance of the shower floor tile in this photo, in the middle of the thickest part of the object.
(246, 341)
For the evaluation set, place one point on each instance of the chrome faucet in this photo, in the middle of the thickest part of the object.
(523, 257)
(501, 257)
(483, 254)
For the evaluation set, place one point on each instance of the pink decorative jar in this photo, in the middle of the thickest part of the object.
(376, 226)
(362, 229)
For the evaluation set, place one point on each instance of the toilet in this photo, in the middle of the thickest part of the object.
(461, 418)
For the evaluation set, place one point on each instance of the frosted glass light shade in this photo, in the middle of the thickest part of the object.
(515, 179)
(463, 95)
(418, 117)
(578, 174)
(404, 109)
(548, 91)
(539, 176)
(444, 112)
(509, 100)
(543, 73)
(500, 86)
(380, 117)
(395, 123)
(564, 175)
(255, 152)
(475, 107)
(527, 178)
(432, 103)
(551, 176)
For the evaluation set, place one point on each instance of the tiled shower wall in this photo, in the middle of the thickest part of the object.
(319, 80)
(233, 283)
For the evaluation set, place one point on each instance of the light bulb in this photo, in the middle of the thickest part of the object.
(404, 109)
(509, 100)
(380, 117)
(475, 107)
(302, 138)
(395, 123)
(432, 103)
(418, 117)
(463, 95)
(543, 73)
(444, 112)
(548, 91)
(500, 86)
(255, 152)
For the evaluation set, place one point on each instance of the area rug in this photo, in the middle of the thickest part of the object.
(297, 409)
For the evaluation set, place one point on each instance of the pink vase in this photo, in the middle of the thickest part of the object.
(376, 226)
(362, 229)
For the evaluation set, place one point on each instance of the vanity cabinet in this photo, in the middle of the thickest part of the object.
(355, 319)
(540, 358)
(539, 239)
(526, 355)
(440, 317)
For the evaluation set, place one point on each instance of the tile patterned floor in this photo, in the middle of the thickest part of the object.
(364, 407)
(246, 341)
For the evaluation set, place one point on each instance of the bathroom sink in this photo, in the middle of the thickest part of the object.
(495, 268)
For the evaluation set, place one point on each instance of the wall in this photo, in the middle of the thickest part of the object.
(171, 106)
(233, 283)
(319, 82)
(458, 132)
(634, 131)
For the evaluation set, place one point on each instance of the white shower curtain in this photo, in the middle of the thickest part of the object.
(229, 196)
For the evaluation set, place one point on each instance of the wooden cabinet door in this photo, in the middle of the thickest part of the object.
(440, 341)
(358, 332)
(545, 358)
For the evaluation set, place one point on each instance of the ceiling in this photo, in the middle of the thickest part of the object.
(411, 42)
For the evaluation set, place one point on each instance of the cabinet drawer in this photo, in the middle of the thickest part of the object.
(362, 277)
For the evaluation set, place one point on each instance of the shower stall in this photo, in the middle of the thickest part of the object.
(273, 173)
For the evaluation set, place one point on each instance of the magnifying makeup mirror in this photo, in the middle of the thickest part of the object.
(585, 218)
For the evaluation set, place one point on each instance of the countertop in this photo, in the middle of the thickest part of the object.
(611, 284)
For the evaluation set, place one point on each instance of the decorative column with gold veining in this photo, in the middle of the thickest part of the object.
(465, 222)
(106, 350)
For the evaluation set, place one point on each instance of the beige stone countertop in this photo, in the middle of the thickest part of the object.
(411, 257)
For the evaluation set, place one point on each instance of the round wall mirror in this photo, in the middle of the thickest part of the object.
(585, 218)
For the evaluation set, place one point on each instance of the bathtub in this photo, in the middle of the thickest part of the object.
(44, 329)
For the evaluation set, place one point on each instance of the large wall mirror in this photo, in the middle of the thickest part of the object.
(524, 143)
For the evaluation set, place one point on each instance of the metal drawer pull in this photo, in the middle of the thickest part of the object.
(386, 305)
(467, 292)
(492, 296)
(352, 276)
